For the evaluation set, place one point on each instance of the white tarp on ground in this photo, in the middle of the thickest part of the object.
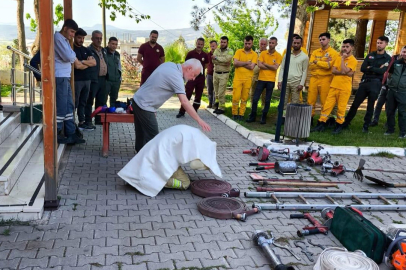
(150, 169)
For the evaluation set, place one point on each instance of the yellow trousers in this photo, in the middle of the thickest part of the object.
(339, 97)
(319, 85)
(241, 91)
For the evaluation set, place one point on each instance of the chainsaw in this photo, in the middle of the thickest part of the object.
(395, 257)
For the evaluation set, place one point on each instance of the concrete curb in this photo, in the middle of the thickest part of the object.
(262, 138)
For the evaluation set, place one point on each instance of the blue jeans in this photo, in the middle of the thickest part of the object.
(64, 106)
(257, 94)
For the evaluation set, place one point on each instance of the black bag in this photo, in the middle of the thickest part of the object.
(356, 232)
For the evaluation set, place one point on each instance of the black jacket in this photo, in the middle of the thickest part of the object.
(94, 71)
(378, 64)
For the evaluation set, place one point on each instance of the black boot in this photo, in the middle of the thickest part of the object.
(251, 118)
(263, 119)
(331, 122)
(74, 139)
(338, 128)
(210, 106)
(180, 114)
(321, 126)
(216, 106)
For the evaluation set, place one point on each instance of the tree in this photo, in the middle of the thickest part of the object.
(208, 34)
(22, 46)
(176, 51)
(360, 38)
(131, 67)
(341, 29)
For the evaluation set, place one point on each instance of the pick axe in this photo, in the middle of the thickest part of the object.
(360, 176)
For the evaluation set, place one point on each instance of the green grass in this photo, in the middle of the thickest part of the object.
(384, 154)
(5, 90)
(13, 222)
(353, 136)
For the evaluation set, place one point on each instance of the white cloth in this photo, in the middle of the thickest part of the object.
(151, 168)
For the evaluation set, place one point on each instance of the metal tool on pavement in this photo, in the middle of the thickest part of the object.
(360, 176)
(303, 247)
(298, 184)
(395, 255)
(225, 208)
(305, 154)
(271, 191)
(309, 230)
(213, 187)
(268, 182)
(383, 183)
(288, 249)
(286, 167)
(253, 152)
(331, 197)
(262, 164)
(316, 157)
(315, 245)
(262, 239)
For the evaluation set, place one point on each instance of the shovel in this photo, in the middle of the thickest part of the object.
(383, 183)
(360, 176)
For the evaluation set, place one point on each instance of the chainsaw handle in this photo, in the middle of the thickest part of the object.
(357, 211)
(261, 164)
(297, 216)
(261, 168)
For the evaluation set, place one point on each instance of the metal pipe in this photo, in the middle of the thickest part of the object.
(25, 83)
(32, 94)
(13, 78)
(286, 70)
(19, 52)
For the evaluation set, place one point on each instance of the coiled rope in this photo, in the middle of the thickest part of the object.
(335, 258)
(213, 187)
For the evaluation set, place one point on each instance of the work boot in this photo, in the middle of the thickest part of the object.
(321, 126)
(210, 106)
(263, 119)
(330, 123)
(402, 135)
(61, 139)
(219, 111)
(216, 106)
(180, 114)
(251, 118)
(388, 132)
(236, 117)
(365, 129)
(374, 123)
(74, 139)
(338, 128)
(241, 118)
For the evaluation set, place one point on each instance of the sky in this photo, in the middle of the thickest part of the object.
(165, 14)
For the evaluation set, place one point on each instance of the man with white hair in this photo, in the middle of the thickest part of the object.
(168, 79)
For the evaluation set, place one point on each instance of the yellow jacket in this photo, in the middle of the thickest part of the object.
(323, 65)
(222, 62)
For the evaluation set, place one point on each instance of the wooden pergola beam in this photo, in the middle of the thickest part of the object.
(46, 29)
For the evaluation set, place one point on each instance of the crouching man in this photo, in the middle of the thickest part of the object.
(158, 163)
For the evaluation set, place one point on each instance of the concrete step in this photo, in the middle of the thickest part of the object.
(26, 200)
(9, 121)
(15, 152)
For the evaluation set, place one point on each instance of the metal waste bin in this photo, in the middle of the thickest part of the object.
(298, 120)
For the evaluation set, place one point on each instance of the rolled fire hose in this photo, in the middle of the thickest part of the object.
(213, 187)
(225, 208)
(335, 258)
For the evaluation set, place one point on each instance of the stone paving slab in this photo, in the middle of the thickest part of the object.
(103, 223)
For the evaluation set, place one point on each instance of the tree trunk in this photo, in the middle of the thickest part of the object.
(35, 45)
(301, 19)
(21, 30)
(360, 38)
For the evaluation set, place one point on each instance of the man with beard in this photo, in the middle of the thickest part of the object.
(150, 56)
(268, 63)
(299, 61)
(373, 67)
(321, 63)
(222, 64)
(82, 77)
(340, 87)
(244, 62)
(263, 43)
(198, 83)
(396, 98)
(98, 94)
(209, 76)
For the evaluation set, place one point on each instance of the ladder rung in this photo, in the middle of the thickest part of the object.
(303, 199)
(331, 199)
(355, 198)
(385, 200)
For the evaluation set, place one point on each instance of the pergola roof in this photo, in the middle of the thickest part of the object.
(366, 5)
(380, 15)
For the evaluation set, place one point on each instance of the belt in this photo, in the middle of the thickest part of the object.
(371, 79)
(218, 72)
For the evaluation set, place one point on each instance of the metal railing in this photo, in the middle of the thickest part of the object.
(28, 86)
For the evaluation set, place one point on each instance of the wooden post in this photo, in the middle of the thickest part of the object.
(46, 30)
(378, 29)
(104, 24)
(401, 38)
(320, 25)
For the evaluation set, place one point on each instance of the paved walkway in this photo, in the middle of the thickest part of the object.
(104, 224)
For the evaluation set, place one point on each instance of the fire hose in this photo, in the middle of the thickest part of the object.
(335, 258)
(213, 187)
(225, 208)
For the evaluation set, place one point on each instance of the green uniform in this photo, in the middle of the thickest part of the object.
(113, 81)
(222, 67)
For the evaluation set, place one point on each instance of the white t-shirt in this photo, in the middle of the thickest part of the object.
(163, 83)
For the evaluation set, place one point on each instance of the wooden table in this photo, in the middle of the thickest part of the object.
(106, 119)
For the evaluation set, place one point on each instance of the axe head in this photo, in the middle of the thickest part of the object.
(358, 172)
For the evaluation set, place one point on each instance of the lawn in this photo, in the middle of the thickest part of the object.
(5, 90)
(350, 137)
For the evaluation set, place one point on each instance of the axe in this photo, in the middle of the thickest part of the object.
(360, 176)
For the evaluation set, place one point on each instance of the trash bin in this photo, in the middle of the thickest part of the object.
(298, 120)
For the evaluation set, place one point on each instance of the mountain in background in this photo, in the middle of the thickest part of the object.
(8, 33)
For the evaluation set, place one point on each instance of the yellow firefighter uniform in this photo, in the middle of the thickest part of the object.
(340, 91)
